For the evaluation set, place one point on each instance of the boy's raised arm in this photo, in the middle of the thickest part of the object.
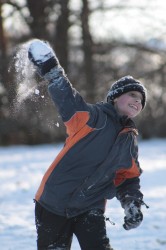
(68, 101)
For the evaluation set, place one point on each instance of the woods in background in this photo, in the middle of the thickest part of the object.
(92, 61)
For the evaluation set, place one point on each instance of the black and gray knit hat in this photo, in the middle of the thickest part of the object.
(124, 85)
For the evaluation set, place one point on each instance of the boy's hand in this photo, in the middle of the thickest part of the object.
(42, 56)
(133, 216)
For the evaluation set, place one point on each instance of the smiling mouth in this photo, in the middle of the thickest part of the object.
(133, 107)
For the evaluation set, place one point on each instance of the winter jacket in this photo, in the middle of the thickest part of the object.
(99, 158)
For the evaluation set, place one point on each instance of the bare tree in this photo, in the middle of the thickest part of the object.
(38, 19)
(96, 63)
(2, 45)
(61, 39)
(87, 46)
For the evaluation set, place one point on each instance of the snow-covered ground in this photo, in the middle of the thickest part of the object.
(21, 169)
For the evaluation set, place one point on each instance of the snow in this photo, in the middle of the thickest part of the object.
(37, 92)
(25, 72)
(21, 169)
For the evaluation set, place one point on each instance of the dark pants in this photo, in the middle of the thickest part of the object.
(55, 232)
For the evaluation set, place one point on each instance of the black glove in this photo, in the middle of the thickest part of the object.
(42, 56)
(133, 214)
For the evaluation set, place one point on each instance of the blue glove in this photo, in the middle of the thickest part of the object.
(133, 214)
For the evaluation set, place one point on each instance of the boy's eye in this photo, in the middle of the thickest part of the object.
(132, 94)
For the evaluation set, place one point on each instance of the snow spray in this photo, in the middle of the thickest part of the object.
(26, 80)
(25, 75)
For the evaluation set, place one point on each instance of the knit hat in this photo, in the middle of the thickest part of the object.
(124, 85)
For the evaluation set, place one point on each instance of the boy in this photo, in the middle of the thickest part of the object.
(98, 161)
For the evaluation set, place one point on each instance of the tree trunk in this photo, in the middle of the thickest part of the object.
(38, 18)
(61, 34)
(2, 45)
(88, 52)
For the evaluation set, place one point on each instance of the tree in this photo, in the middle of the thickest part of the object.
(87, 46)
(61, 39)
(38, 18)
(92, 60)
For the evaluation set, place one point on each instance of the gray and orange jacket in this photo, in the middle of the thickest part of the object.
(98, 160)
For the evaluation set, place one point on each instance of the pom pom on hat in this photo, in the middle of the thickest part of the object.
(124, 85)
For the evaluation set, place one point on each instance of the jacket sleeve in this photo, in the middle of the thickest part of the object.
(66, 98)
(127, 181)
(129, 190)
(75, 112)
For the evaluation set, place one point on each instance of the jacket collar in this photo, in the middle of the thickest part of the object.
(109, 109)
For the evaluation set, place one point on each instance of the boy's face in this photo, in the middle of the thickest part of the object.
(129, 104)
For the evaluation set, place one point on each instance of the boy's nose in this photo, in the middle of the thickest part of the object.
(138, 100)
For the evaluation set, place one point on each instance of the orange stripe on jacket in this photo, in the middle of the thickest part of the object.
(124, 174)
(77, 129)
